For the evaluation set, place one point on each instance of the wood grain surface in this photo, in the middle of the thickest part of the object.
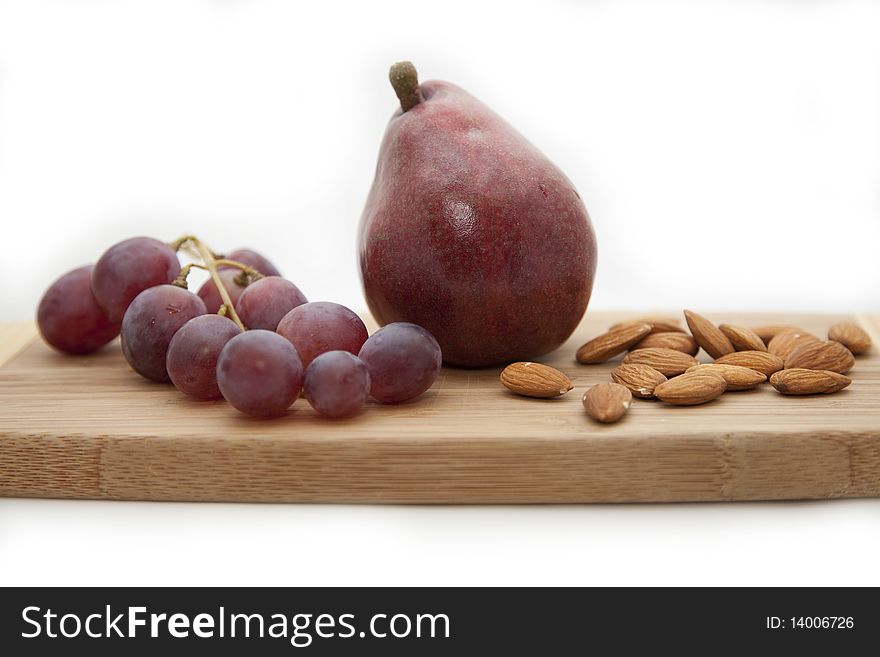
(88, 427)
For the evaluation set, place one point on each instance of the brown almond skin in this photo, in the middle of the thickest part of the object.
(707, 335)
(850, 335)
(743, 339)
(607, 402)
(799, 381)
(818, 355)
(760, 361)
(658, 324)
(670, 340)
(769, 331)
(535, 380)
(668, 362)
(737, 377)
(611, 343)
(691, 388)
(787, 340)
(639, 379)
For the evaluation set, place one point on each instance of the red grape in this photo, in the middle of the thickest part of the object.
(321, 326)
(260, 373)
(128, 268)
(70, 318)
(264, 302)
(150, 322)
(337, 384)
(193, 352)
(403, 360)
(253, 259)
(211, 296)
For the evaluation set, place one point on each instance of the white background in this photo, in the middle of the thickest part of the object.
(728, 152)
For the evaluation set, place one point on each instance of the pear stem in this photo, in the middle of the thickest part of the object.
(405, 81)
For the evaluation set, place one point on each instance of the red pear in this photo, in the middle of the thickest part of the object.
(471, 232)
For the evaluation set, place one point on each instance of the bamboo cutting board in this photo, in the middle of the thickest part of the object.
(88, 427)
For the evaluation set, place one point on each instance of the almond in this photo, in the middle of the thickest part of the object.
(670, 340)
(743, 339)
(799, 381)
(784, 342)
(707, 335)
(818, 355)
(535, 380)
(850, 335)
(760, 361)
(769, 331)
(612, 342)
(607, 402)
(668, 362)
(658, 324)
(697, 387)
(737, 377)
(640, 379)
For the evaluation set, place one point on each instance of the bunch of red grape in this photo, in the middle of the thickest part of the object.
(249, 336)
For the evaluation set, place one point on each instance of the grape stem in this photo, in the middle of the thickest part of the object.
(180, 281)
(210, 261)
(248, 274)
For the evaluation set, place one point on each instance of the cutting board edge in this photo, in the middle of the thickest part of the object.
(728, 467)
